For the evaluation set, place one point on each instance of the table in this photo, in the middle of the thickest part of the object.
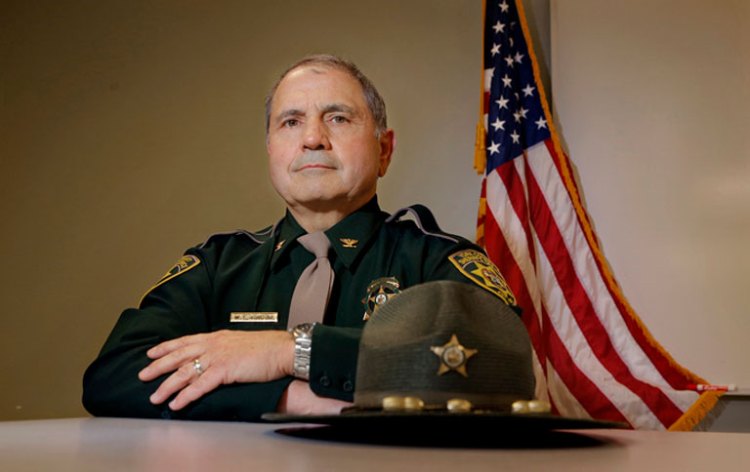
(94, 444)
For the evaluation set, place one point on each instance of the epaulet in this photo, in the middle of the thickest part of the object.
(258, 236)
(424, 219)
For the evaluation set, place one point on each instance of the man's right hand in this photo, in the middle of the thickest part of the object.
(199, 363)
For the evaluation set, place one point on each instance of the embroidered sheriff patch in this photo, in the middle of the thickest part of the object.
(480, 269)
(183, 265)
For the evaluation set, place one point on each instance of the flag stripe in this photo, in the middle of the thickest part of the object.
(578, 350)
(520, 279)
(674, 375)
(576, 371)
(596, 293)
(600, 338)
(597, 403)
(519, 269)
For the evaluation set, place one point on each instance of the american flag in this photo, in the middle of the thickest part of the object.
(594, 357)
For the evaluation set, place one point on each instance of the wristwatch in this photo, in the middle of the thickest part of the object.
(302, 348)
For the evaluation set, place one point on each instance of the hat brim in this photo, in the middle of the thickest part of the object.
(424, 420)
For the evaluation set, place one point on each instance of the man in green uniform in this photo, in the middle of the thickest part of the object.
(211, 339)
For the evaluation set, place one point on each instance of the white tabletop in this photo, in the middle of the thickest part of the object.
(83, 444)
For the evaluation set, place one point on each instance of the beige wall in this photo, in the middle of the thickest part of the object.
(130, 130)
(134, 129)
(653, 98)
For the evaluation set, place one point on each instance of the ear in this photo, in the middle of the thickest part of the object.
(268, 142)
(387, 145)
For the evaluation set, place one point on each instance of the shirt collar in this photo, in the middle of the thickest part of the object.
(288, 232)
(348, 237)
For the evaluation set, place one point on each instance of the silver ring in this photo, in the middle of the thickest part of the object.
(197, 366)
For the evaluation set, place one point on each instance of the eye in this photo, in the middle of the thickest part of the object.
(339, 119)
(290, 123)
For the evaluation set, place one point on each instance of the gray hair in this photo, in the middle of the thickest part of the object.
(374, 101)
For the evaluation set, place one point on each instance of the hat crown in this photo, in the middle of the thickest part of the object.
(444, 340)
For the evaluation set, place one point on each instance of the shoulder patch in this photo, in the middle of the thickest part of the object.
(478, 268)
(185, 263)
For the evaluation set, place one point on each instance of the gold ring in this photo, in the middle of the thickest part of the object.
(197, 366)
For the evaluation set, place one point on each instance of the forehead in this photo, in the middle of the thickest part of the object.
(318, 85)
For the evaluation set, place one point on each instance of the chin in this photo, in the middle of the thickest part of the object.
(316, 193)
(314, 199)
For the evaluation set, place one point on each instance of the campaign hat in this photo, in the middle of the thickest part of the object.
(446, 356)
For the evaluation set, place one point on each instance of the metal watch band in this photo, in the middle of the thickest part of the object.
(302, 349)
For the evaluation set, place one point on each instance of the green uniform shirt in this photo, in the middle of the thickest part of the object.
(243, 276)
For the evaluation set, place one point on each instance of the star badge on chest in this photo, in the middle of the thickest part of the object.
(378, 292)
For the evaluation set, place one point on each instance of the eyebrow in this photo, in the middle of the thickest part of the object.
(330, 108)
(287, 114)
(334, 107)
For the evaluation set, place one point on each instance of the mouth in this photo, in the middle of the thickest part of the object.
(314, 161)
(315, 166)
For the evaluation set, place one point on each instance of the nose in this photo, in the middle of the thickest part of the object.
(316, 136)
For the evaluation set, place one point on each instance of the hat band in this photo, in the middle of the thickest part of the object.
(434, 400)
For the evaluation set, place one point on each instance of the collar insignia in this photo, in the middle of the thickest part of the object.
(279, 245)
(349, 243)
(453, 356)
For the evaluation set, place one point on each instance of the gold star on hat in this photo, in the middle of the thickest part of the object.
(453, 356)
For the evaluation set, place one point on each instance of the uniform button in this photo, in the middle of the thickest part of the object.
(348, 386)
(325, 381)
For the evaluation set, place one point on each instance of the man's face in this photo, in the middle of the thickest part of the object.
(324, 154)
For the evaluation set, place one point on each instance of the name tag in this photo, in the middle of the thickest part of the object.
(254, 317)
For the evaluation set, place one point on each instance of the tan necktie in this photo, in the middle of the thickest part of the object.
(313, 288)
